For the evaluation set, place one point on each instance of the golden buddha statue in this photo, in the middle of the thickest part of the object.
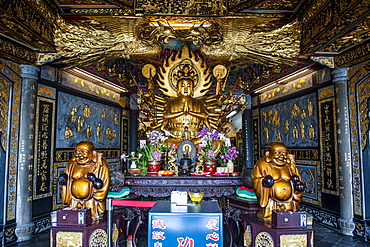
(85, 181)
(277, 181)
(185, 112)
(186, 107)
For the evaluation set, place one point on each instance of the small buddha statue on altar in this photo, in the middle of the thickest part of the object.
(277, 181)
(186, 162)
(85, 181)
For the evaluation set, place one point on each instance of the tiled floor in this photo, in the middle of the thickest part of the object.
(323, 237)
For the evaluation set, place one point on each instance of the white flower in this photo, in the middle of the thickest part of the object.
(227, 142)
(204, 143)
(142, 143)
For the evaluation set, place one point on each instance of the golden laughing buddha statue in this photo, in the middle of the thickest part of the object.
(277, 181)
(85, 181)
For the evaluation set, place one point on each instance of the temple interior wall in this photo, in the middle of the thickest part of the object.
(300, 113)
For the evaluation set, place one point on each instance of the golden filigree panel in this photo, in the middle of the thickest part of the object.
(4, 103)
(98, 238)
(12, 71)
(67, 239)
(294, 240)
(356, 76)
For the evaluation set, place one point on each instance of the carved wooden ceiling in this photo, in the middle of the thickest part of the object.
(332, 32)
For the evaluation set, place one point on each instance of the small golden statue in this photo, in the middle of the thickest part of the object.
(277, 181)
(85, 181)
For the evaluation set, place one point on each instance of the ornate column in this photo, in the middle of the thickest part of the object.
(134, 126)
(247, 133)
(26, 148)
(346, 224)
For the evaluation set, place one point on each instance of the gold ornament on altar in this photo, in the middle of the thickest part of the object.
(85, 181)
(277, 181)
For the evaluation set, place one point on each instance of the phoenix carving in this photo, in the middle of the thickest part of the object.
(252, 40)
(109, 38)
(242, 41)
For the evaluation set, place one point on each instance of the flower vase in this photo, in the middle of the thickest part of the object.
(209, 165)
(133, 164)
(230, 166)
(154, 165)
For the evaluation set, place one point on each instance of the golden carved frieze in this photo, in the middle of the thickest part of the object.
(237, 5)
(353, 55)
(94, 2)
(103, 11)
(355, 36)
(276, 5)
(310, 9)
(16, 52)
(25, 15)
(46, 8)
(329, 22)
(179, 7)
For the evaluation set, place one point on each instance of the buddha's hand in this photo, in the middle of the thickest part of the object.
(97, 182)
(186, 107)
(63, 179)
(268, 181)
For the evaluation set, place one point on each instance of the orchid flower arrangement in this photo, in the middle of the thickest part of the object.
(209, 143)
(153, 147)
(214, 143)
(148, 150)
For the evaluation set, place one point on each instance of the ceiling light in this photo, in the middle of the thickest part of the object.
(232, 114)
(264, 88)
(298, 72)
(101, 80)
(176, 24)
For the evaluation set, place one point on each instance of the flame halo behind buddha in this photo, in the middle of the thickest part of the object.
(185, 108)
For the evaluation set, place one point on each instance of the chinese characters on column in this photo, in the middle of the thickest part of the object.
(255, 139)
(43, 155)
(329, 165)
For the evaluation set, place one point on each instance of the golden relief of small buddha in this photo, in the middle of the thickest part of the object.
(277, 181)
(85, 181)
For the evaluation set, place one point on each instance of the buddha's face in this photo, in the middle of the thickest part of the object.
(83, 154)
(186, 88)
(278, 154)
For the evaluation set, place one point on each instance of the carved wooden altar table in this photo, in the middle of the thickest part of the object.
(163, 186)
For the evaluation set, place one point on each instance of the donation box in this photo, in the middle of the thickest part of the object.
(191, 225)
